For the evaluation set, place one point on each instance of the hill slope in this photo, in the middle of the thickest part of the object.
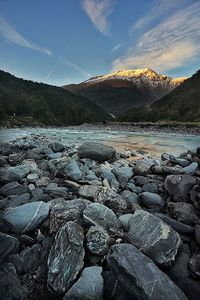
(182, 104)
(122, 90)
(49, 104)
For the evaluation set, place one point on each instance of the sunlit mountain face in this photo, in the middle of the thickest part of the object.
(118, 91)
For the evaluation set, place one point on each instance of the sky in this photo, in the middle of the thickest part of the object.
(68, 41)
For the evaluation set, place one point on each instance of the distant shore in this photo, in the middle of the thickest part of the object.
(190, 128)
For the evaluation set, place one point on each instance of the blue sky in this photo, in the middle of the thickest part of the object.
(66, 41)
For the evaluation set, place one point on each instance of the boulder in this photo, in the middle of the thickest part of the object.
(96, 151)
(66, 258)
(72, 170)
(153, 237)
(56, 147)
(97, 238)
(88, 191)
(139, 276)
(143, 166)
(98, 214)
(13, 188)
(88, 287)
(27, 217)
(179, 186)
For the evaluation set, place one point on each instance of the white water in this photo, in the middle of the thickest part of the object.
(153, 143)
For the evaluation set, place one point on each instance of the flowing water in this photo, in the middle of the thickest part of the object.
(153, 143)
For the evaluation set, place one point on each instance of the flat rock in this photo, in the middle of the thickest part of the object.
(13, 188)
(153, 237)
(27, 217)
(88, 287)
(8, 245)
(100, 215)
(139, 276)
(96, 151)
(72, 170)
(66, 258)
(179, 186)
(97, 238)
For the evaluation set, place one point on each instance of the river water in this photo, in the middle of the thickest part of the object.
(153, 143)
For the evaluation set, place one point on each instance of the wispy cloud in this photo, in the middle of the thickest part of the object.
(98, 11)
(115, 48)
(170, 44)
(76, 67)
(10, 34)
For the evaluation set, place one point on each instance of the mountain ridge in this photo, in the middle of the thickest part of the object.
(121, 90)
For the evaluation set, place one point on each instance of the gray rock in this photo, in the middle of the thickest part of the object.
(177, 226)
(123, 174)
(88, 191)
(10, 286)
(191, 168)
(8, 245)
(72, 170)
(96, 151)
(183, 212)
(54, 155)
(55, 190)
(150, 187)
(139, 276)
(31, 258)
(8, 174)
(140, 180)
(97, 238)
(88, 287)
(165, 170)
(98, 214)
(143, 166)
(153, 237)
(124, 219)
(65, 258)
(197, 234)
(27, 217)
(14, 200)
(111, 199)
(13, 188)
(179, 186)
(65, 211)
(56, 147)
(130, 198)
(151, 199)
(105, 173)
(32, 178)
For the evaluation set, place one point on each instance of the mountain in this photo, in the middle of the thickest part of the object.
(122, 90)
(49, 104)
(182, 104)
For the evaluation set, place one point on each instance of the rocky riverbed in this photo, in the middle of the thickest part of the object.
(86, 222)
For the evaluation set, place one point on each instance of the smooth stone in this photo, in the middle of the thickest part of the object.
(139, 276)
(10, 285)
(8, 174)
(65, 211)
(151, 199)
(123, 174)
(27, 217)
(140, 180)
(56, 191)
(177, 226)
(153, 237)
(179, 186)
(98, 214)
(183, 212)
(32, 178)
(54, 155)
(56, 147)
(88, 287)
(132, 199)
(105, 173)
(97, 238)
(191, 168)
(88, 191)
(73, 171)
(66, 258)
(143, 166)
(96, 151)
(165, 170)
(13, 188)
(8, 245)
(150, 187)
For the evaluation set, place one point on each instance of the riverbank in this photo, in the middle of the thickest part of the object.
(121, 228)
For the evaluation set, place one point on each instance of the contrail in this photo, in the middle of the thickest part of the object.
(53, 68)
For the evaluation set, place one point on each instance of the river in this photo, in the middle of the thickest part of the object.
(152, 143)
